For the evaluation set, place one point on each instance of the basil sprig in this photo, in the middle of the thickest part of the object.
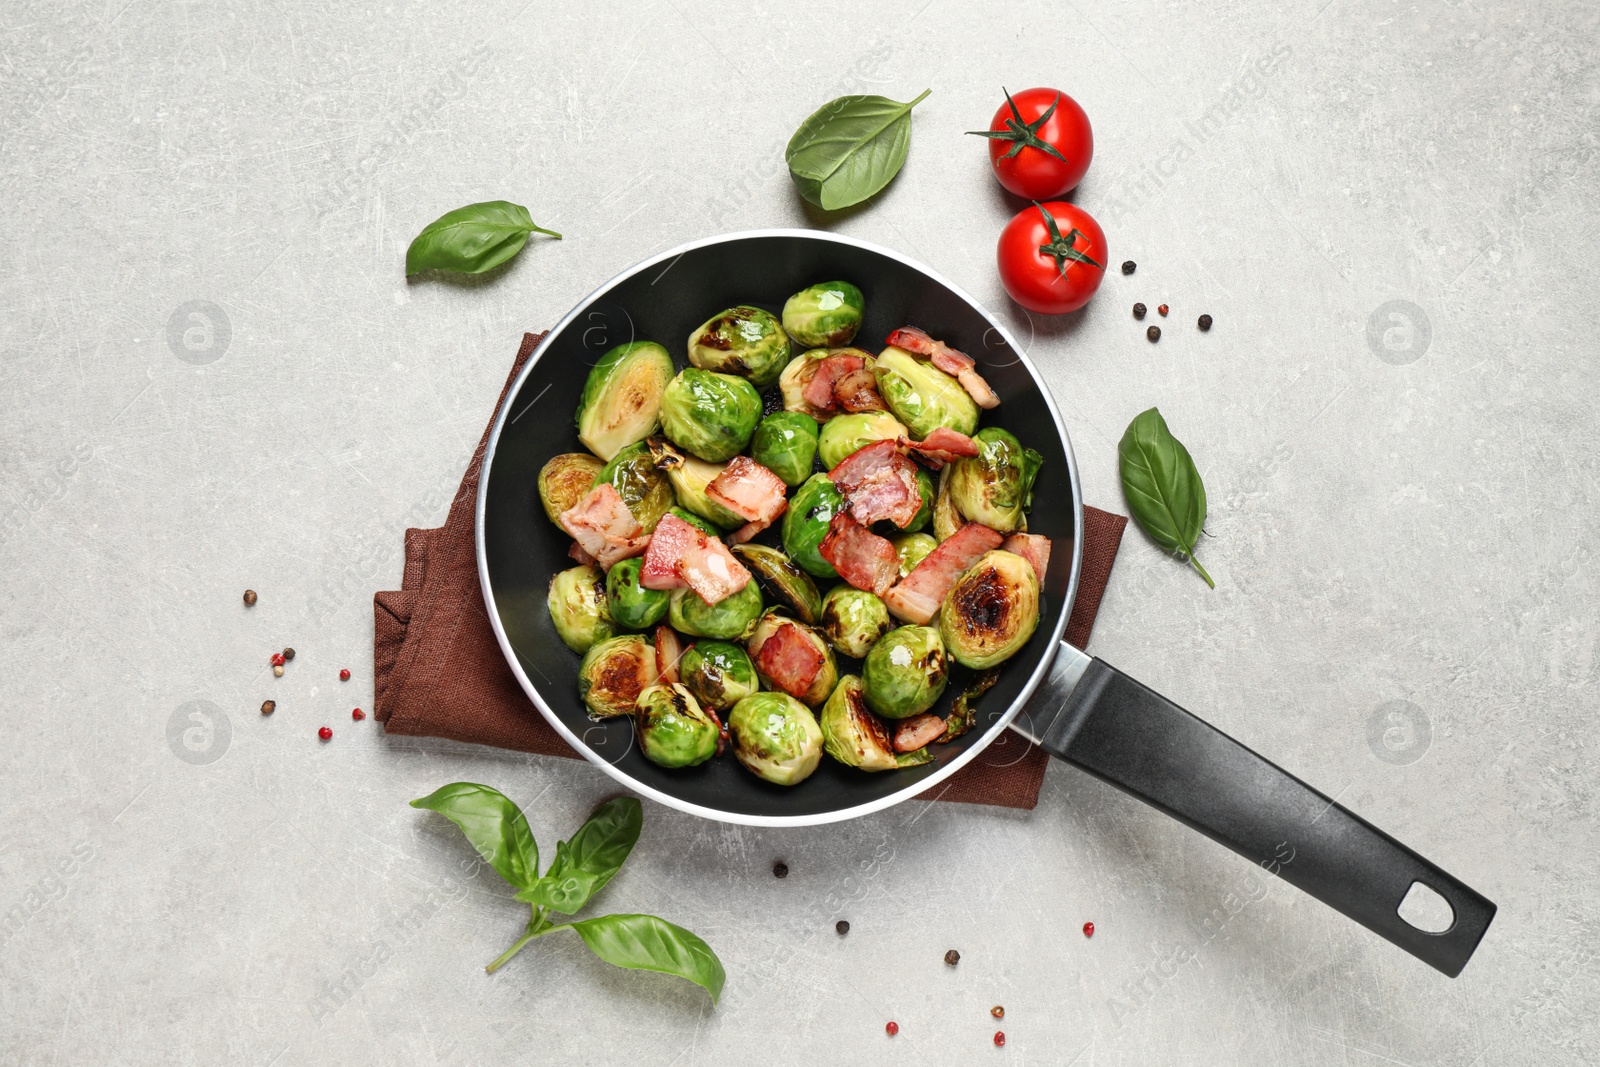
(850, 148)
(582, 866)
(473, 239)
(1163, 488)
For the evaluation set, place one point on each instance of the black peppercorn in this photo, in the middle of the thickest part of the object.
(780, 870)
(952, 957)
(288, 653)
(1129, 266)
(1138, 311)
(268, 707)
(1154, 333)
(842, 926)
(249, 597)
(1205, 322)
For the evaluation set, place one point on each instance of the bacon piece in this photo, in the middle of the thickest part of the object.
(920, 594)
(669, 650)
(942, 446)
(857, 390)
(877, 482)
(578, 553)
(953, 362)
(681, 555)
(604, 527)
(913, 340)
(673, 537)
(790, 660)
(978, 389)
(749, 490)
(861, 557)
(819, 390)
(917, 731)
(747, 532)
(1035, 548)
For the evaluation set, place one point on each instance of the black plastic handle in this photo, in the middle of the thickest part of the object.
(1138, 740)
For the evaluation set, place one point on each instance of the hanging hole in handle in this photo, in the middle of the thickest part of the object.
(1425, 909)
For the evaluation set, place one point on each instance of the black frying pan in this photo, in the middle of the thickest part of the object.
(1082, 710)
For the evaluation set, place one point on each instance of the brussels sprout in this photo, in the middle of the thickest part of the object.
(794, 379)
(922, 396)
(912, 548)
(805, 524)
(632, 606)
(825, 314)
(929, 494)
(646, 491)
(578, 608)
(776, 737)
(674, 731)
(711, 415)
(725, 620)
(995, 486)
(857, 738)
(744, 341)
(991, 611)
(906, 672)
(613, 674)
(826, 676)
(843, 434)
(564, 480)
(785, 443)
(946, 517)
(703, 525)
(719, 674)
(690, 477)
(782, 581)
(621, 401)
(853, 619)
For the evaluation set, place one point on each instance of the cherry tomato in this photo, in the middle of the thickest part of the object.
(1052, 257)
(1040, 143)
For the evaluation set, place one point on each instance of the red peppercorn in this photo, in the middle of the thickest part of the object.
(344, 675)
(1000, 1038)
(892, 1028)
(1088, 929)
(358, 715)
(277, 659)
(326, 733)
(1162, 310)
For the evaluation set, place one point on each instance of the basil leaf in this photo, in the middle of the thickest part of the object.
(850, 148)
(472, 239)
(495, 826)
(1164, 490)
(586, 863)
(646, 943)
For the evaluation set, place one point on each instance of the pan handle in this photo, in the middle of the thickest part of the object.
(1136, 739)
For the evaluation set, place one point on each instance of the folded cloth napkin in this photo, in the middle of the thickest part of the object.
(438, 671)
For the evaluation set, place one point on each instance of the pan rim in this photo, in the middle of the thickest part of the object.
(717, 814)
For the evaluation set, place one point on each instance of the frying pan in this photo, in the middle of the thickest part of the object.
(1077, 708)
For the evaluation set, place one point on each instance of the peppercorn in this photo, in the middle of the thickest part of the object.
(326, 733)
(288, 653)
(249, 598)
(1000, 1038)
(1129, 266)
(891, 1028)
(952, 957)
(1204, 323)
(358, 715)
(842, 926)
(277, 670)
(1088, 929)
(998, 1012)
(780, 870)
(1162, 310)
(1154, 333)
(344, 675)
(278, 659)
(268, 707)
(1138, 311)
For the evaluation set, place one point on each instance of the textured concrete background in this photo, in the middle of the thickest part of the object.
(215, 376)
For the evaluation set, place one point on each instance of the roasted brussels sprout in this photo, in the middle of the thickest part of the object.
(946, 518)
(579, 609)
(718, 673)
(843, 434)
(991, 611)
(906, 672)
(805, 524)
(828, 314)
(912, 548)
(632, 606)
(564, 480)
(621, 401)
(674, 731)
(743, 341)
(995, 486)
(794, 379)
(930, 494)
(690, 477)
(705, 526)
(821, 683)
(729, 618)
(709, 414)
(646, 490)
(855, 737)
(776, 737)
(613, 674)
(922, 396)
(853, 619)
(782, 581)
(785, 443)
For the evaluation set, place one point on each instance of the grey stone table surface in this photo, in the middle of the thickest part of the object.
(216, 376)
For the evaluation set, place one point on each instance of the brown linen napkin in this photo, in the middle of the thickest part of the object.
(438, 671)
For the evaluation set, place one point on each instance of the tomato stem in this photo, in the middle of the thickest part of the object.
(1062, 248)
(1024, 134)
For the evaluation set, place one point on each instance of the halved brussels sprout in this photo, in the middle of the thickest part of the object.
(853, 619)
(776, 737)
(674, 731)
(744, 341)
(906, 671)
(828, 313)
(822, 684)
(703, 525)
(995, 487)
(794, 379)
(613, 674)
(690, 477)
(843, 434)
(621, 401)
(946, 517)
(785, 443)
(929, 494)
(718, 673)
(564, 480)
(912, 548)
(632, 606)
(729, 618)
(991, 611)
(922, 396)
(647, 492)
(709, 414)
(578, 608)
(782, 581)
(805, 524)
(855, 737)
